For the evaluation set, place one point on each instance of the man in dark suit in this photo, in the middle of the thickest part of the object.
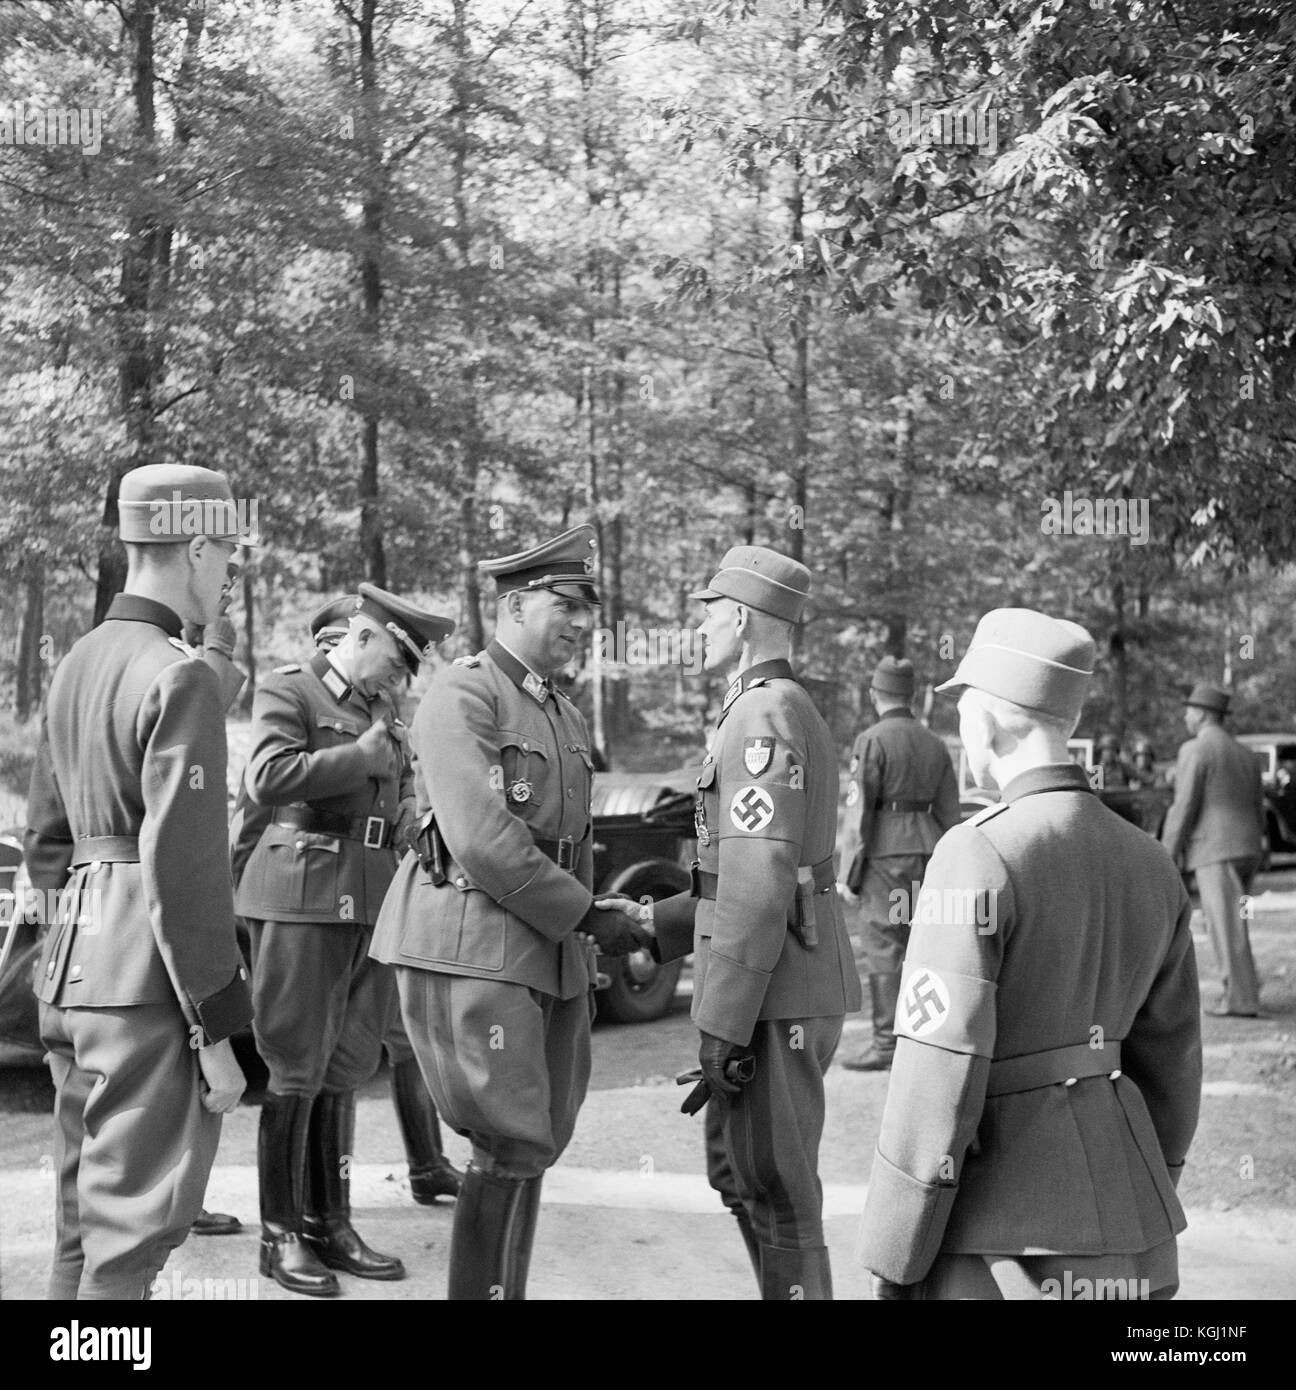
(328, 759)
(773, 973)
(1047, 1076)
(903, 796)
(489, 918)
(1217, 823)
(140, 981)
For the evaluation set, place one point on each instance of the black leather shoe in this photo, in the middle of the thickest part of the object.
(431, 1174)
(281, 1170)
(215, 1223)
(326, 1219)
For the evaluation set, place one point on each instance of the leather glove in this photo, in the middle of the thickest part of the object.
(403, 824)
(714, 1054)
(887, 1292)
(617, 931)
(220, 636)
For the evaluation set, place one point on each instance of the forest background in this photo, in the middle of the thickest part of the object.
(891, 287)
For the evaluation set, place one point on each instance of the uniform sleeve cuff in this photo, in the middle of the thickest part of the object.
(732, 995)
(673, 925)
(222, 1014)
(904, 1223)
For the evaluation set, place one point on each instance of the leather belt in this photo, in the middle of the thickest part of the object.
(1067, 1065)
(705, 884)
(902, 806)
(107, 849)
(562, 852)
(373, 832)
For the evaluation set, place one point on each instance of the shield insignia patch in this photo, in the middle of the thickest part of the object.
(758, 753)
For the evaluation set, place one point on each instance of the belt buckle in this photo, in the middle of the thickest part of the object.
(567, 853)
(375, 832)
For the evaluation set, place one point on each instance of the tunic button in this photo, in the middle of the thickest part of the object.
(95, 865)
(1070, 1081)
(1115, 1074)
(301, 844)
(461, 883)
(74, 973)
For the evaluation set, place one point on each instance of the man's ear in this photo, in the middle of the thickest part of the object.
(740, 618)
(195, 550)
(983, 726)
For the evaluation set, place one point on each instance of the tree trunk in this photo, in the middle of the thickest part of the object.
(31, 667)
(1118, 654)
(249, 639)
(468, 571)
(372, 209)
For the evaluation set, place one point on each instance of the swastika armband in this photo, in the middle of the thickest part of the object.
(770, 812)
(952, 1011)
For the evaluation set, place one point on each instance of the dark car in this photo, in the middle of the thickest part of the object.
(1276, 754)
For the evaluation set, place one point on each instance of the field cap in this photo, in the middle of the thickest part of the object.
(1035, 661)
(762, 579)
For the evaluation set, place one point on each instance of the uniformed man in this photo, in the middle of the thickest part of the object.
(773, 973)
(1145, 768)
(489, 917)
(903, 796)
(431, 1174)
(328, 758)
(1217, 823)
(1116, 772)
(1047, 1077)
(140, 981)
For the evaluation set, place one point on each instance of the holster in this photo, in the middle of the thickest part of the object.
(430, 849)
(813, 882)
(855, 874)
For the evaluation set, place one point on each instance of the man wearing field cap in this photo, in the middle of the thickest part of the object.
(329, 764)
(773, 973)
(489, 919)
(140, 984)
(1047, 1075)
(1217, 822)
(903, 796)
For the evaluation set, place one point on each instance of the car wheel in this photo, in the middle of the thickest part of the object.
(641, 990)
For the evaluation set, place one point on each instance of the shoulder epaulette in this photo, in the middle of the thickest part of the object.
(287, 670)
(989, 813)
(469, 661)
(182, 646)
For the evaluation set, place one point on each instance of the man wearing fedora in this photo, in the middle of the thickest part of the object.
(1047, 1075)
(903, 796)
(490, 918)
(773, 972)
(140, 983)
(1217, 822)
(328, 766)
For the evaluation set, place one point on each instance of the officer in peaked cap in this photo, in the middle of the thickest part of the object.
(330, 770)
(773, 973)
(902, 797)
(486, 922)
(1047, 1074)
(140, 982)
(1217, 823)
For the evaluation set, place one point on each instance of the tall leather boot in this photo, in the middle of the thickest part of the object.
(431, 1174)
(494, 1226)
(795, 1275)
(884, 993)
(326, 1220)
(281, 1172)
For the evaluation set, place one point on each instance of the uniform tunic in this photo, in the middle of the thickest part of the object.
(902, 797)
(1047, 1076)
(311, 896)
(494, 985)
(128, 795)
(767, 815)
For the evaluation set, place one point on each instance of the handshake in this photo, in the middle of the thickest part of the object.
(618, 924)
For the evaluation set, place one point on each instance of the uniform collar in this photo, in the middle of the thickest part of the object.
(896, 714)
(778, 669)
(519, 672)
(135, 608)
(332, 679)
(1052, 777)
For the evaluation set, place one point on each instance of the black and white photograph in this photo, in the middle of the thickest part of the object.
(649, 657)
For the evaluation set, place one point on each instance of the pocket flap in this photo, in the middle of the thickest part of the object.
(524, 743)
(707, 776)
(340, 726)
